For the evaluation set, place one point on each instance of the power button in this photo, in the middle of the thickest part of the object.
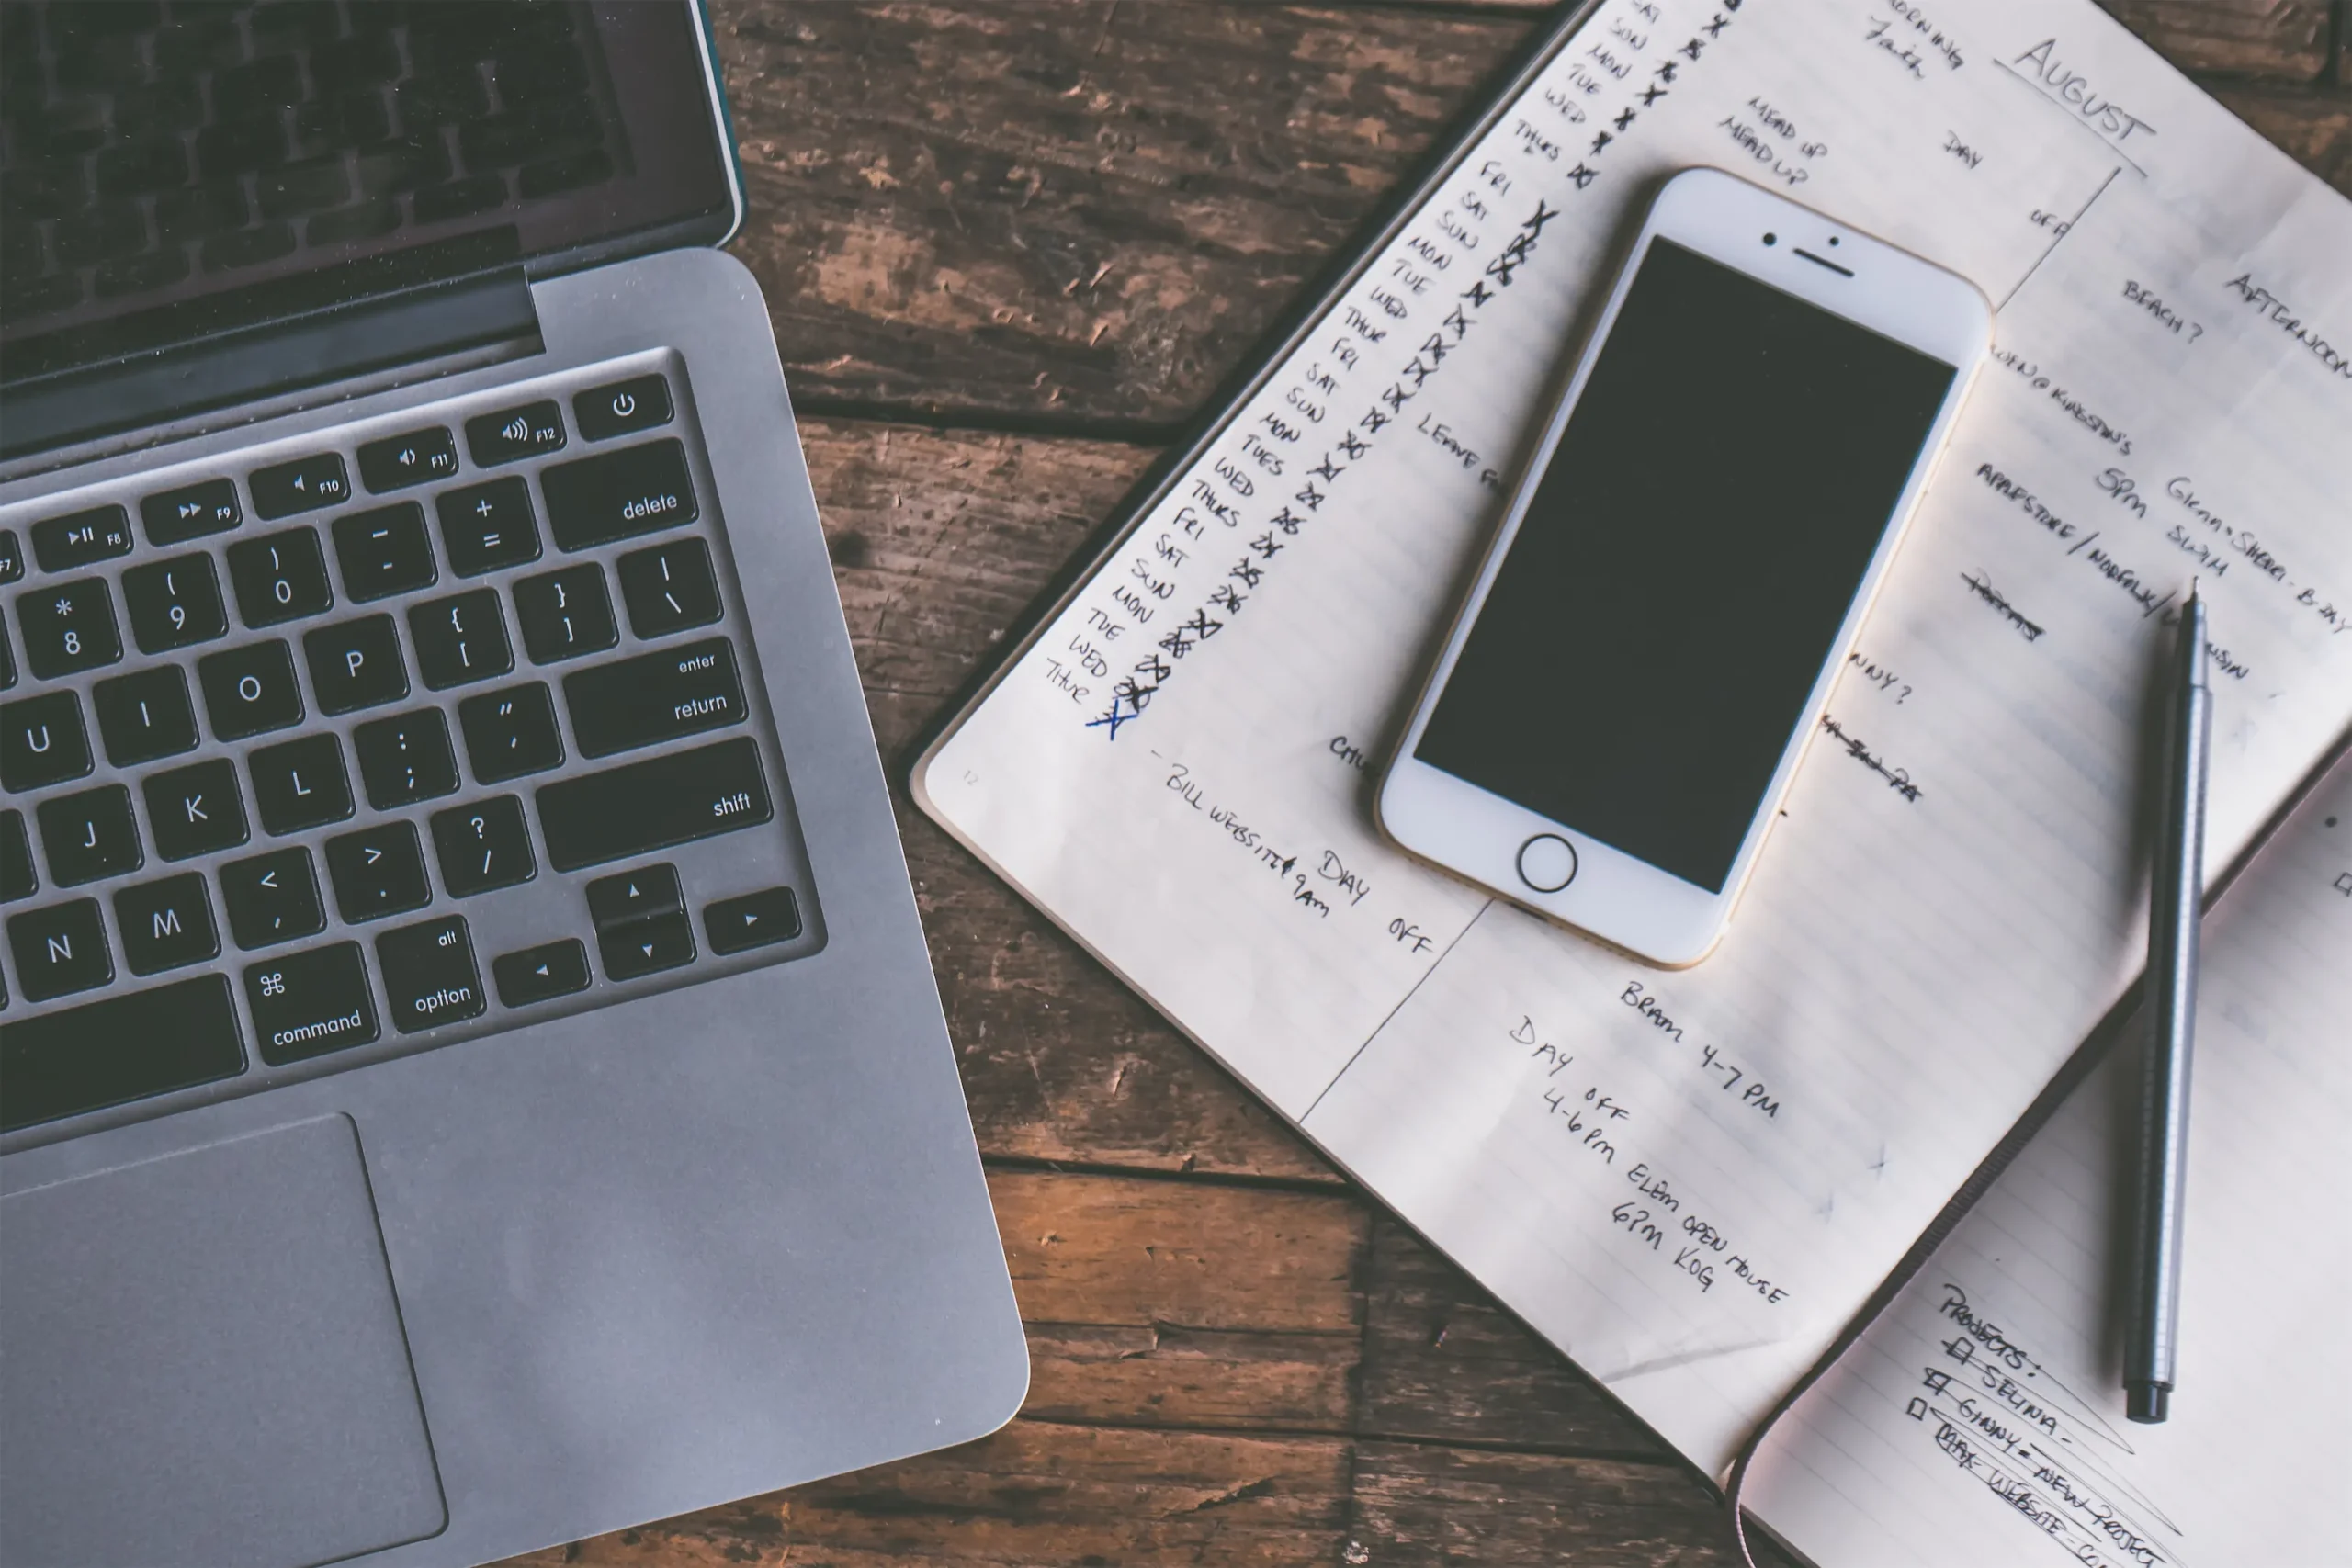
(621, 408)
(1547, 862)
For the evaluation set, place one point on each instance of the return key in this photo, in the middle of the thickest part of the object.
(654, 697)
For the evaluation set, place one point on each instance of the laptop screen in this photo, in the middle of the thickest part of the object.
(170, 170)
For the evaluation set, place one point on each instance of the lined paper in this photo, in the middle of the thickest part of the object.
(1981, 1418)
(1690, 1181)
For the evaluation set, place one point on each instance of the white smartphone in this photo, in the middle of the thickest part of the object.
(1683, 567)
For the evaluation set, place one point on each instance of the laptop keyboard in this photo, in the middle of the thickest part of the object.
(376, 742)
(142, 144)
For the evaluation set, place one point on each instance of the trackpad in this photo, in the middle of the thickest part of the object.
(201, 1361)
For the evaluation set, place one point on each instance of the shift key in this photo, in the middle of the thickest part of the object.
(643, 807)
(652, 697)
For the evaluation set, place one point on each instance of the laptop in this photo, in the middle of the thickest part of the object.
(470, 1072)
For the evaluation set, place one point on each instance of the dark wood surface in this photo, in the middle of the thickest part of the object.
(1011, 250)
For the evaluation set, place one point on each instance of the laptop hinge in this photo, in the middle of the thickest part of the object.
(434, 321)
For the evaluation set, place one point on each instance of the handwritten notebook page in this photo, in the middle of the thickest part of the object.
(1984, 1409)
(1176, 767)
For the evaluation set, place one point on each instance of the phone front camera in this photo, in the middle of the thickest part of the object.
(1772, 239)
(1832, 239)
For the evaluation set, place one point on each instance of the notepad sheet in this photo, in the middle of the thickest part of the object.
(1689, 1181)
(1981, 1418)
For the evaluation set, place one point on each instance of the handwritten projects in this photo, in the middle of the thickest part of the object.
(1977, 1420)
(1691, 1181)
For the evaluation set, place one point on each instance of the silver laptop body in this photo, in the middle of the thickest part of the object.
(585, 1146)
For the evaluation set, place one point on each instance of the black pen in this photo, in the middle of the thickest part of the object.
(2174, 909)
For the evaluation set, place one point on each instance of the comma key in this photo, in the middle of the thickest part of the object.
(307, 1004)
(429, 973)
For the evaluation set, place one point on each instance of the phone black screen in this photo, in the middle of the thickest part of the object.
(1684, 567)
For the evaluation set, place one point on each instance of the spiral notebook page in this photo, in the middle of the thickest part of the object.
(1980, 1419)
(1689, 1181)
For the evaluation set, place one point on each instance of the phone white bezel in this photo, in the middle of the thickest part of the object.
(1610, 894)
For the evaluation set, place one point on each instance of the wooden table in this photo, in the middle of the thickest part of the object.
(1010, 250)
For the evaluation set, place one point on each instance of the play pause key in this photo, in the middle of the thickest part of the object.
(429, 973)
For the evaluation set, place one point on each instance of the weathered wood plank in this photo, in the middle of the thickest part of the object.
(940, 541)
(1185, 1304)
(1065, 208)
(1418, 1505)
(1442, 1360)
(1036, 1495)
(2313, 127)
(2285, 40)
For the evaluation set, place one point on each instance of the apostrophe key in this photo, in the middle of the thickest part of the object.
(191, 512)
(418, 456)
(510, 434)
(303, 485)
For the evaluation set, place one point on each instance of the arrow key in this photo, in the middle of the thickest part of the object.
(540, 974)
(647, 946)
(637, 895)
(756, 920)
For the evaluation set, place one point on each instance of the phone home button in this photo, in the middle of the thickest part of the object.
(1547, 862)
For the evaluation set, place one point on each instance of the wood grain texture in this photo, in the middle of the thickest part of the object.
(1010, 249)
(1087, 215)
(1067, 208)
